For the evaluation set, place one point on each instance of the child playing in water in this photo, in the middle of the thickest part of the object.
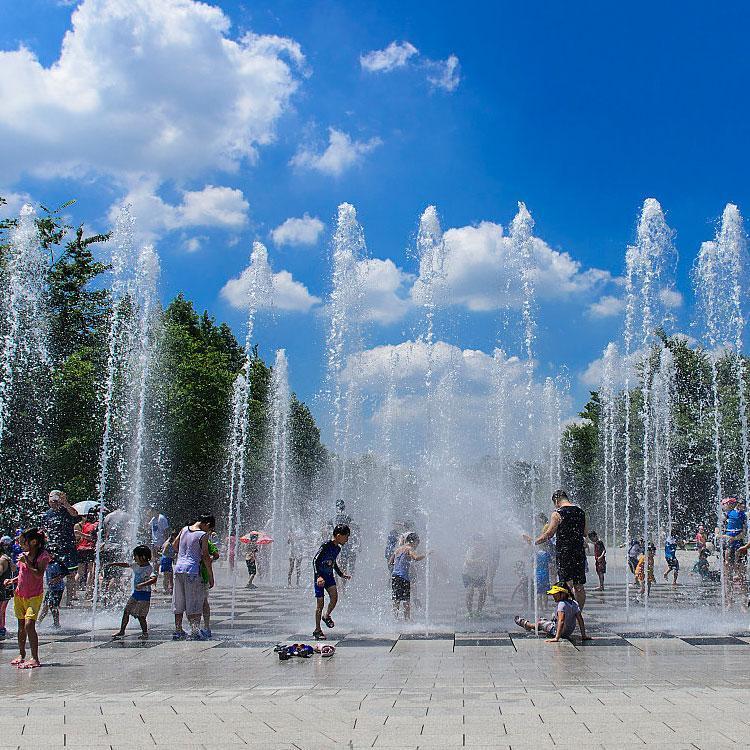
(476, 564)
(140, 600)
(543, 562)
(563, 622)
(324, 566)
(401, 560)
(55, 576)
(703, 569)
(523, 580)
(213, 551)
(644, 578)
(32, 562)
(600, 558)
(166, 562)
(6, 573)
(670, 556)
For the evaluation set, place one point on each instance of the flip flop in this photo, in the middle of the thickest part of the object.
(328, 621)
(18, 661)
(28, 665)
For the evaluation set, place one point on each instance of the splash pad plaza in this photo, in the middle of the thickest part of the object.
(666, 664)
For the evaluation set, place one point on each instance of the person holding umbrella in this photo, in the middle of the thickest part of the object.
(250, 555)
(254, 541)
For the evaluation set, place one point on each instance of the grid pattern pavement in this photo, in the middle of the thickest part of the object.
(480, 683)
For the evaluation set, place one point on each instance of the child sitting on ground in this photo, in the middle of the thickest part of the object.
(140, 600)
(563, 622)
(703, 569)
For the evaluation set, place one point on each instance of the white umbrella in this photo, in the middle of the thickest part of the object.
(87, 505)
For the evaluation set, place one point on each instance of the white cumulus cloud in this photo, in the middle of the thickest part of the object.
(13, 203)
(671, 298)
(395, 55)
(607, 306)
(213, 206)
(143, 87)
(440, 74)
(444, 74)
(341, 153)
(384, 290)
(481, 271)
(298, 231)
(288, 294)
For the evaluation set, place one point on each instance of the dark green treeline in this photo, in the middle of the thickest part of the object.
(189, 403)
(693, 482)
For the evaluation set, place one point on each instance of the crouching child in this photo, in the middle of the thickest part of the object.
(567, 615)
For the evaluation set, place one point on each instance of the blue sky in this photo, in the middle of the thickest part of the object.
(582, 111)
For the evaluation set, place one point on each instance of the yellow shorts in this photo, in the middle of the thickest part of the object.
(27, 609)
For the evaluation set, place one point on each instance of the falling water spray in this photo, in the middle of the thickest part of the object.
(280, 522)
(259, 285)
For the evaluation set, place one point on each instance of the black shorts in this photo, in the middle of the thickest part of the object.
(252, 568)
(53, 598)
(401, 589)
(571, 568)
(674, 564)
(86, 556)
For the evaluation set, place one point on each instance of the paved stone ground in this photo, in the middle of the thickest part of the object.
(478, 684)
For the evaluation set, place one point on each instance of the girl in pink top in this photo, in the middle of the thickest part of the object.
(29, 595)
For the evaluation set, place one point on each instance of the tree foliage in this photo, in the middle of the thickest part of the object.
(188, 398)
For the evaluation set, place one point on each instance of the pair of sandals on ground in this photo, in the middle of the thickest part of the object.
(302, 650)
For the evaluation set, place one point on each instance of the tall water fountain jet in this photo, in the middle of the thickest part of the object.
(259, 285)
(234, 443)
(431, 251)
(281, 521)
(664, 405)
(710, 291)
(732, 243)
(649, 293)
(718, 277)
(142, 353)
(343, 333)
(521, 240)
(25, 360)
(501, 384)
(608, 396)
(122, 251)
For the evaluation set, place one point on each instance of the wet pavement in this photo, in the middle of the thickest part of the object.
(476, 683)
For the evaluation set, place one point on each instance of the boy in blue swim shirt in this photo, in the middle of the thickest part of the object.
(324, 567)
